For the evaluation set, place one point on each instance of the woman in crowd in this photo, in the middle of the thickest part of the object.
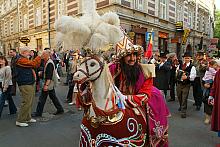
(6, 86)
(207, 82)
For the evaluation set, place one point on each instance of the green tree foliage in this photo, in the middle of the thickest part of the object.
(217, 26)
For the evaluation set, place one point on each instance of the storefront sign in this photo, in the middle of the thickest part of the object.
(179, 25)
(24, 40)
(163, 35)
(131, 34)
(148, 35)
(185, 36)
(175, 40)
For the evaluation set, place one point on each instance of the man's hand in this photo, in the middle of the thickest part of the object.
(45, 88)
(40, 53)
(184, 77)
(119, 94)
(40, 73)
(211, 100)
(4, 89)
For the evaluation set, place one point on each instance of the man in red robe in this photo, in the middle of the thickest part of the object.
(138, 90)
(215, 96)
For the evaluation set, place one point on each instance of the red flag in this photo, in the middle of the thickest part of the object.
(149, 52)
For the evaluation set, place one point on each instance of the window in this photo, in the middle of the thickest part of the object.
(39, 44)
(8, 27)
(15, 25)
(5, 7)
(98, 1)
(38, 17)
(8, 5)
(25, 22)
(201, 23)
(163, 9)
(205, 28)
(138, 4)
(61, 8)
(2, 10)
(11, 3)
(190, 20)
(126, 3)
(179, 16)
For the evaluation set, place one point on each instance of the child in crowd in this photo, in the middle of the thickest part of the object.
(207, 81)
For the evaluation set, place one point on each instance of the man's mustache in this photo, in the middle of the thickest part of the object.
(131, 61)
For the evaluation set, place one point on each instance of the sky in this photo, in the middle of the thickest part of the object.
(217, 4)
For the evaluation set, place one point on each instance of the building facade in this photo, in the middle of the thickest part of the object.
(32, 19)
(35, 19)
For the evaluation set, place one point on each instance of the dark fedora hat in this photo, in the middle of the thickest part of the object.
(163, 55)
(187, 54)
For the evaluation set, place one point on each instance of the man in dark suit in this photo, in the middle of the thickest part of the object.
(161, 81)
(201, 67)
(14, 55)
(172, 59)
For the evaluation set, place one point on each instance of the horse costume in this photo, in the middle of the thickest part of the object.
(110, 117)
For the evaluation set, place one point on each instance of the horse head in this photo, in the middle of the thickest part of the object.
(90, 69)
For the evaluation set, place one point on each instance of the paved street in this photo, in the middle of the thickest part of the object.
(63, 130)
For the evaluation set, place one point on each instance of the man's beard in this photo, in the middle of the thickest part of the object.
(131, 73)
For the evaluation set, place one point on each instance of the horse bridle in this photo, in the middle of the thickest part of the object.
(88, 75)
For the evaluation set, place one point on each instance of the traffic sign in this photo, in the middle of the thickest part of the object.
(24, 40)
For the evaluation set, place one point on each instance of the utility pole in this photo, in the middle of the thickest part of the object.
(18, 24)
(49, 43)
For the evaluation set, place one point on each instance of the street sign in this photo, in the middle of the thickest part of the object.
(179, 25)
(148, 35)
(185, 36)
(24, 40)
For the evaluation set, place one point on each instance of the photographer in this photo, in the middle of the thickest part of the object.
(186, 72)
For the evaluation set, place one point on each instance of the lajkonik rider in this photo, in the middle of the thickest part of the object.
(138, 89)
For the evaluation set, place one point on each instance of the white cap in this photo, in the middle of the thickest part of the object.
(24, 48)
(218, 61)
(170, 55)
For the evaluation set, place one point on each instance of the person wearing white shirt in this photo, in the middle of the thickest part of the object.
(186, 73)
(6, 86)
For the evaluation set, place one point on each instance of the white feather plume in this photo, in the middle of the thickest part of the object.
(91, 30)
(89, 7)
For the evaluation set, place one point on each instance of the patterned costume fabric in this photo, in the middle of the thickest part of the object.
(144, 121)
(130, 131)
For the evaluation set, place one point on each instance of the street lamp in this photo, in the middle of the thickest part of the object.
(18, 24)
